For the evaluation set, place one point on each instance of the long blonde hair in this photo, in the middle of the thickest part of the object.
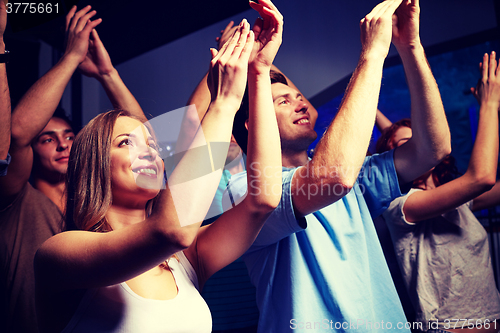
(88, 180)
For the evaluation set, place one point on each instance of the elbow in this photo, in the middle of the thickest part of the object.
(432, 150)
(444, 151)
(442, 148)
(18, 134)
(485, 182)
(434, 156)
(179, 238)
(338, 180)
(182, 238)
(265, 201)
(270, 203)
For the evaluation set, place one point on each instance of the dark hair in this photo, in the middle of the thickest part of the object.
(384, 143)
(239, 130)
(88, 180)
(441, 174)
(445, 171)
(61, 114)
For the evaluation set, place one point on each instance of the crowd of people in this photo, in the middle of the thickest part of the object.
(95, 238)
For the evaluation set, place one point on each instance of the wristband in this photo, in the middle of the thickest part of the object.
(4, 58)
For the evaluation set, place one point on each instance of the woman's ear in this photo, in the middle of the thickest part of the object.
(246, 124)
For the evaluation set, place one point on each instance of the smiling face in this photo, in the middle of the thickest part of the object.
(295, 118)
(52, 147)
(136, 166)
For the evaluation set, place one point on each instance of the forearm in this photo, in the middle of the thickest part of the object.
(37, 106)
(5, 111)
(201, 98)
(431, 135)
(192, 118)
(194, 181)
(346, 140)
(119, 95)
(64, 261)
(484, 156)
(264, 149)
(381, 121)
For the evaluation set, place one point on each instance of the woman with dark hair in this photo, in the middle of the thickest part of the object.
(441, 248)
(137, 255)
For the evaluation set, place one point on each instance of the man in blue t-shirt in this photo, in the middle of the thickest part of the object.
(317, 263)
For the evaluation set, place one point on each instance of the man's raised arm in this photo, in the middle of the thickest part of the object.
(341, 151)
(430, 141)
(97, 64)
(37, 106)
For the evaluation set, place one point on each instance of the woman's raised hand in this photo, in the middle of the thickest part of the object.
(227, 76)
(268, 32)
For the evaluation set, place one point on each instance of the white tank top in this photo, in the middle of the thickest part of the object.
(117, 309)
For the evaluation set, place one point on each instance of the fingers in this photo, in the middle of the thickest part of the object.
(247, 49)
(91, 25)
(239, 46)
(82, 21)
(95, 36)
(74, 20)
(387, 7)
(226, 30)
(484, 73)
(245, 29)
(267, 10)
(228, 27)
(69, 16)
(213, 52)
(271, 22)
(492, 65)
(234, 45)
(257, 27)
(229, 46)
(226, 34)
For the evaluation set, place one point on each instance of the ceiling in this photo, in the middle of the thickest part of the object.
(142, 26)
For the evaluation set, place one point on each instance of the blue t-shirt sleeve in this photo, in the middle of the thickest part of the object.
(4, 164)
(282, 221)
(378, 181)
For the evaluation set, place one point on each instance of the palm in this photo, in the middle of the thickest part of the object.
(97, 60)
(264, 50)
(268, 33)
(88, 67)
(405, 25)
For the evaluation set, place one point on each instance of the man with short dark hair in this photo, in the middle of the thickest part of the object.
(317, 263)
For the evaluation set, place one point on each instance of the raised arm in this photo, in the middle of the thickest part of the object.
(97, 64)
(430, 142)
(4, 92)
(382, 122)
(481, 173)
(226, 239)
(37, 106)
(341, 151)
